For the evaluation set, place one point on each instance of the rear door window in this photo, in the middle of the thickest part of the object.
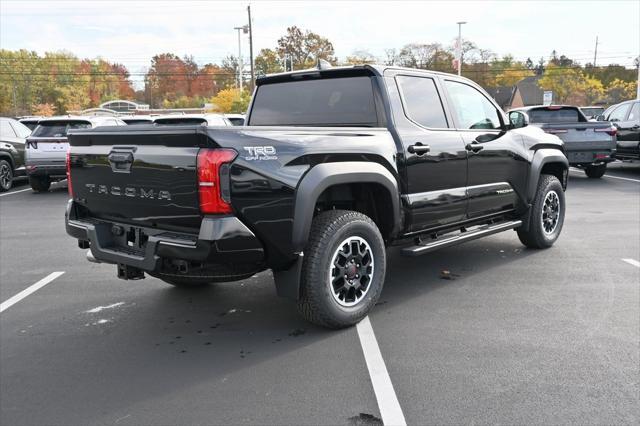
(472, 108)
(58, 129)
(421, 101)
(634, 115)
(559, 115)
(343, 101)
(620, 113)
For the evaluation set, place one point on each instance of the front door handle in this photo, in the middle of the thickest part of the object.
(419, 148)
(474, 146)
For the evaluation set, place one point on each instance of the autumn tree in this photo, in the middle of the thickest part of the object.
(563, 82)
(304, 48)
(359, 57)
(268, 62)
(618, 91)
(232, 100)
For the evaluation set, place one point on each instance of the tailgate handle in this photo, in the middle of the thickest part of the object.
(121, 161)
(121, 157)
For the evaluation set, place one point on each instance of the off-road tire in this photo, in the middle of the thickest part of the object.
(329, 230)
(595, 172)
(40, 183)
(6, 175)
(536, 236)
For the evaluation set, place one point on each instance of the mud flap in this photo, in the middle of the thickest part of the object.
(288, 281)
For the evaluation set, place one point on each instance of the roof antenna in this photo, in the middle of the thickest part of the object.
(323, 64)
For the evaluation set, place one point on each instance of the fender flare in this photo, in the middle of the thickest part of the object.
(540, 158)
(9, 158)
(325, 175)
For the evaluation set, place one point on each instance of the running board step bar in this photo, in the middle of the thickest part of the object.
(447, 241)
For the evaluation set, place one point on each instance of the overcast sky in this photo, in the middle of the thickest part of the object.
(131, 32)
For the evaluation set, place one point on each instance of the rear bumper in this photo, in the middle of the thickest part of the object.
(590, 156)
(221, 240)
(53, 168)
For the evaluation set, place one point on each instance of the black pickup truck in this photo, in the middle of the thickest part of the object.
(333, 166)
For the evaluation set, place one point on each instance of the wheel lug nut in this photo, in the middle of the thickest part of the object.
(357, 276)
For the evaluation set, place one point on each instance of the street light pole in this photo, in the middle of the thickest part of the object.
(239, 57)
(253, 75)
(460, 46)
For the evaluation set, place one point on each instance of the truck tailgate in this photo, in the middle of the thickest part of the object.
(144, 177)
(582, 136)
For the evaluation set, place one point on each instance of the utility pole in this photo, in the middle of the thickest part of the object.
(595, 53)
(253, 76)
(460, 46)
(239, 57)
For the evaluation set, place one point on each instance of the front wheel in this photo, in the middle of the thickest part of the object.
(547, 214)
(343, 269)
(595, 172)
(40, 183)
(6, 175)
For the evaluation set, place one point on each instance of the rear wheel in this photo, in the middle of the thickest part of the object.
(343, 270)
(547, 214)
(40, 183)
(595, 172)
(6, 175)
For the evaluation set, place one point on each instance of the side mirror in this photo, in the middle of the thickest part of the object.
(599, 117)
(518, 119)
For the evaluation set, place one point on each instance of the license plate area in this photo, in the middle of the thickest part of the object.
(127, 239)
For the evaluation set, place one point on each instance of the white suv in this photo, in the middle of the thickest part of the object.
(46, 148)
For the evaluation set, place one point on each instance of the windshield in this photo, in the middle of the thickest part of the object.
(180, 121)
(58, 129)
(346, 101)
(559, 115)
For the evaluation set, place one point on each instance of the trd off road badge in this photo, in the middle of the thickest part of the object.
(260, 153)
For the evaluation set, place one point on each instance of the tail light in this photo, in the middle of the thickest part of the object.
(555, 131)
(214, 190)
(69, 185)
(611, 131)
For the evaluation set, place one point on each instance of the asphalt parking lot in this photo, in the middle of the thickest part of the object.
(510, 335)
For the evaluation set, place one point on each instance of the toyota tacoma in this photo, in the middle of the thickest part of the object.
(333, 166)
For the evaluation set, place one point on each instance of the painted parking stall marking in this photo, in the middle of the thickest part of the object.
(15, 192)
(632, 262)
(29, 290)
(388, 404)
(574, 169)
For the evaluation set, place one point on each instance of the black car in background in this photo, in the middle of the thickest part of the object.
(12, 139)
(625, 116)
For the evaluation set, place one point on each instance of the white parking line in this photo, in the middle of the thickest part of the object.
(632, 262)
(622, 178)
(383, 388)
(15, 192)
(574, 169)
(31, 289)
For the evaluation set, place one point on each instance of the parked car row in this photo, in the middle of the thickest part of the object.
(36, 147)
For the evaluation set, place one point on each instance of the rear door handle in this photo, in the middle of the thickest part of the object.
(474, 146)
(419, 148)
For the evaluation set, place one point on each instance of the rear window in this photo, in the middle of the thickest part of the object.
(560, 115)
(589, 112)
(58, 129)
(180, 121)
(345, 101)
